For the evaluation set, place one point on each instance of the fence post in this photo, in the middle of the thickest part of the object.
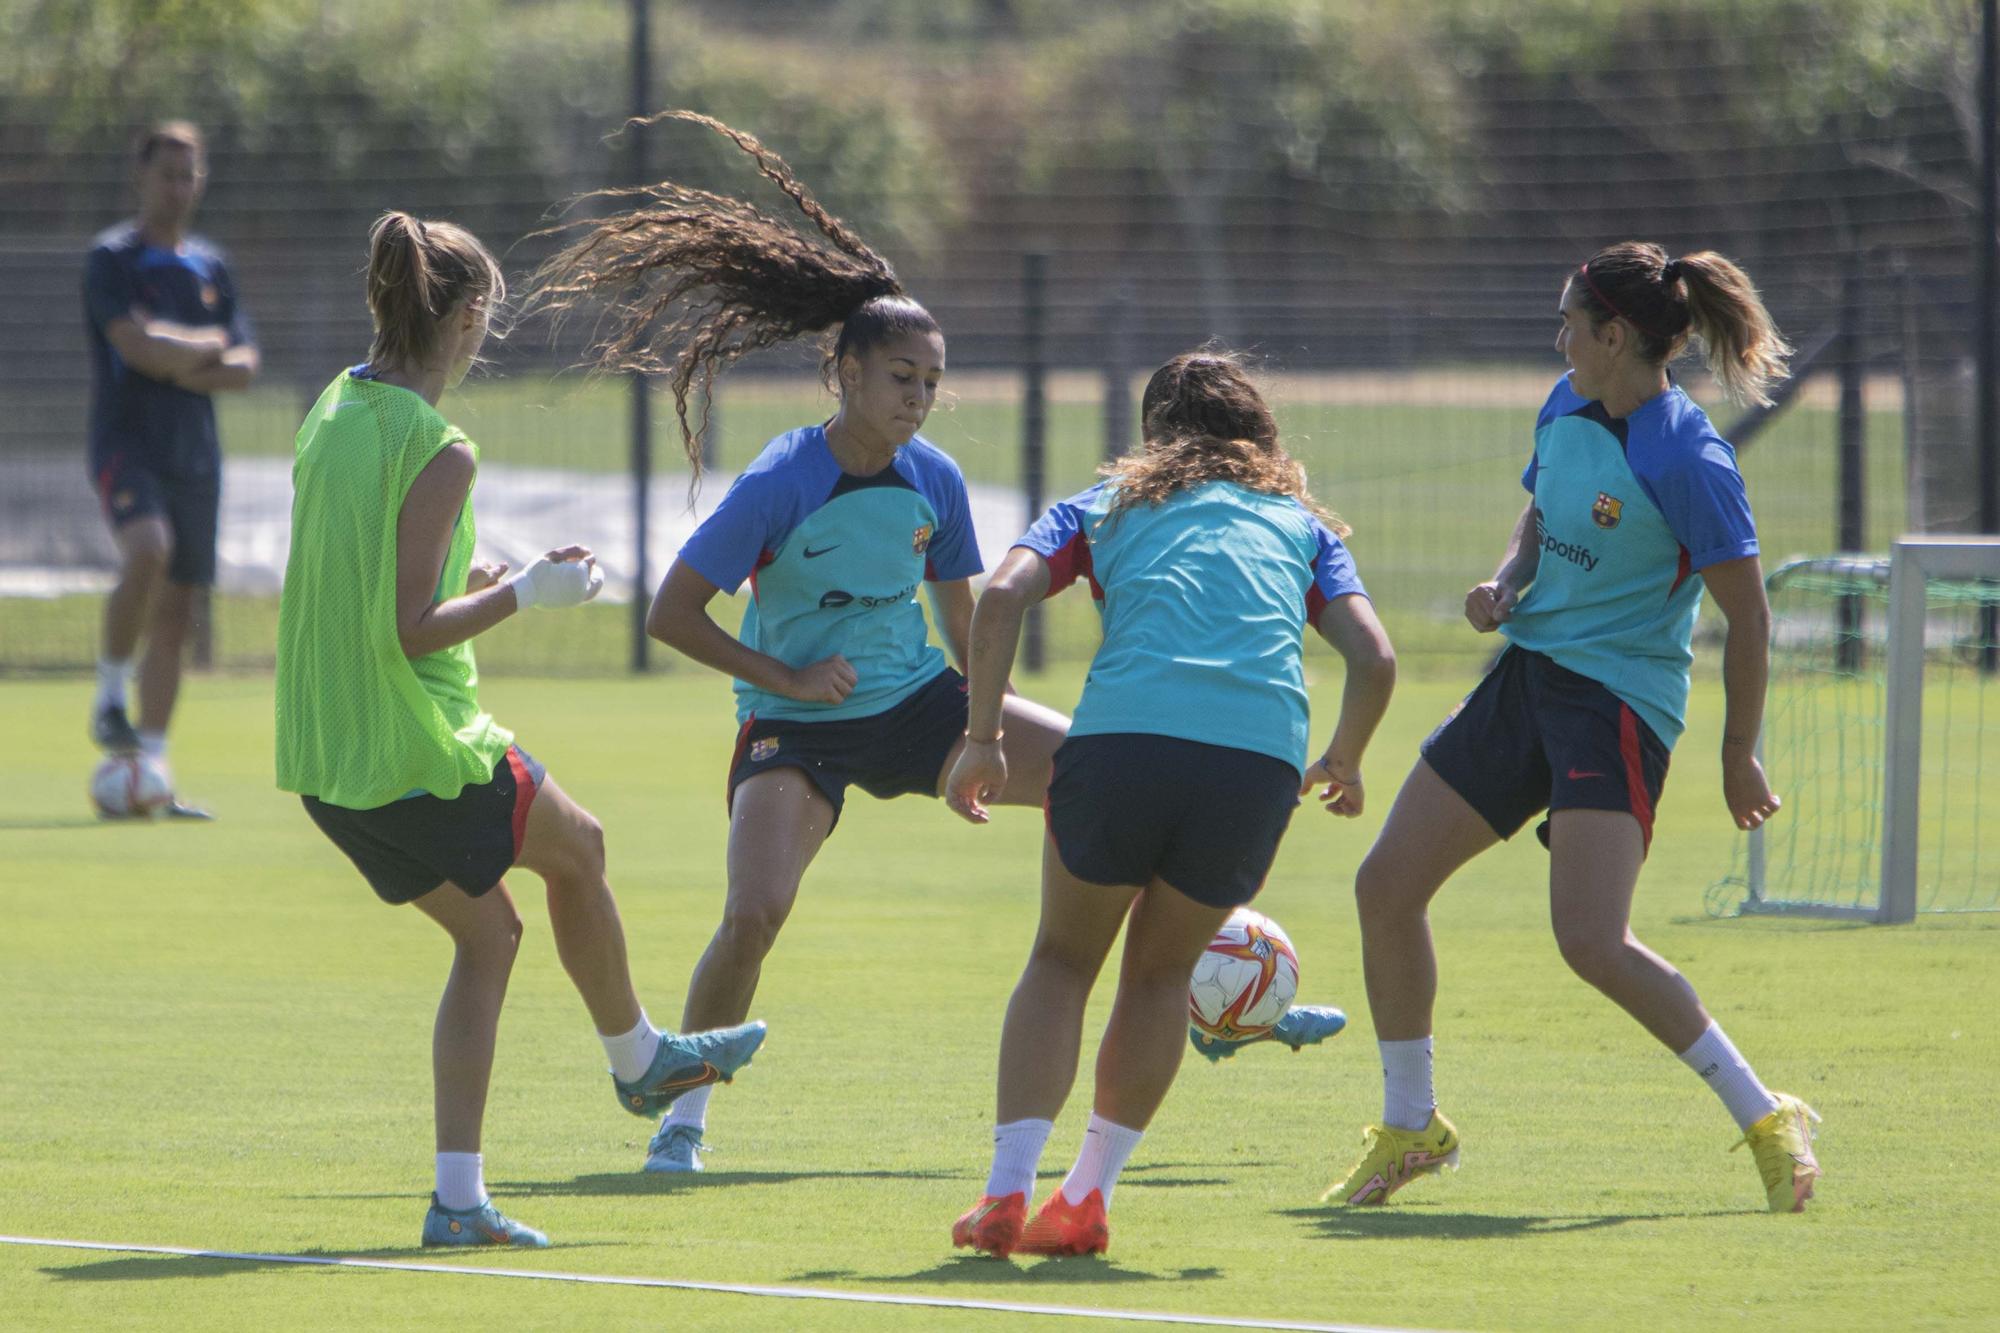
(642, 406)
(1986, 375)
(1853, 534)
(1034, 424)
(1117, 374)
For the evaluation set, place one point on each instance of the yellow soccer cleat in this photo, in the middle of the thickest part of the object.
(1782, 1144)
(1391, 1158)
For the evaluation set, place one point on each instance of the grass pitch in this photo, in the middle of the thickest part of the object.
(214, 1036)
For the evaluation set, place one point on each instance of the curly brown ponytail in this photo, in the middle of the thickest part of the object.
(691, 280)
(1205, 421)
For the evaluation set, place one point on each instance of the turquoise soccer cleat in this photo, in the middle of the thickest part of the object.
(686, 1062)
(484, 1225)
(676, 1149)
(1302, 1025)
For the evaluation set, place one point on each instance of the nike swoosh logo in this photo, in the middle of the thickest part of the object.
(811, 554)
(709, 1074)
(1575, 776)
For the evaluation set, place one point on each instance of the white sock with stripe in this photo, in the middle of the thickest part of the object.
(1716, 1060)
(1106, 1147)
(1017, 1151)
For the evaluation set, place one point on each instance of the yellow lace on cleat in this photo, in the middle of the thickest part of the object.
(1782, 1144)
(1391, 1158)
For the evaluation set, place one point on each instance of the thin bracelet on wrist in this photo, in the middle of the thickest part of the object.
(984, 740)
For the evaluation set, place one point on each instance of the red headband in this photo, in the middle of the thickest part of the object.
(1606, 302)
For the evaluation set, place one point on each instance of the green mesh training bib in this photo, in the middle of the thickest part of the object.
(360, 724)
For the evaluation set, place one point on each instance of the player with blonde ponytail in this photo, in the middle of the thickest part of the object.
(380, 731)
(1636, 506)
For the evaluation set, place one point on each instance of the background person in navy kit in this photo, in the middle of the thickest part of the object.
(166, 331)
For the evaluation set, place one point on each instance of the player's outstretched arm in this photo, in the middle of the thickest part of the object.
(679, 618)
(1350, 625)
(1489, 604)
(1738, 588)
(980, 774)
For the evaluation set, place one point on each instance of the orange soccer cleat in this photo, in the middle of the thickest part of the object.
(1062, 1227)
(993, 1226)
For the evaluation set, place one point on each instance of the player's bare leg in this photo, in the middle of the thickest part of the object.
(486, 935)
(1031, 734)
(1143, 1041)
(1594, 861)
(777, 823)
(564, 844)
(145, 548)
(167, 633)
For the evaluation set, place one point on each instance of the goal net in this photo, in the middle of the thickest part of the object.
(1882, 735)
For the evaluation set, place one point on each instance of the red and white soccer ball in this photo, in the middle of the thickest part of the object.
(1247, 979)
(127, 786)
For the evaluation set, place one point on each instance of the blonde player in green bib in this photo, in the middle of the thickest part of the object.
(379, 727)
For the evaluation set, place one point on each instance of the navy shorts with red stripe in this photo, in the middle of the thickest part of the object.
(1537, 736)
(897, 752)
(407, 848)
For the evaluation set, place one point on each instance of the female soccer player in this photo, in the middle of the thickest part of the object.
(1637, 504)
(835, 526)
(379, 725)
(1208, 558)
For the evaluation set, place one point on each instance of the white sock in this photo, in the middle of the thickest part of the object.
(153, 744)
(1105, 1148)
(1714, 1057)
(1407, 1096)
(461, 1180)
(690, 1108)
(111, 674)
(632, 1052)
(1017, 1151)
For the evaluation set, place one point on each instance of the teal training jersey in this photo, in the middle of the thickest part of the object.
(1631, 511)
(1205, 598)
(834, 563)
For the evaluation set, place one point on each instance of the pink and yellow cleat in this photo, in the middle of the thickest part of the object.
(1782, 1144)
(1391, 1158)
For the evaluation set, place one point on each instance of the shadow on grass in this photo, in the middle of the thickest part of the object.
(145, 1267)
(43, 825)
(641, 1183)
(1419, 1223)
(984, 1270)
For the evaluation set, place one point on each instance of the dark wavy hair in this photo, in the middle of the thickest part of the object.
(688, 280)
(1205, 421)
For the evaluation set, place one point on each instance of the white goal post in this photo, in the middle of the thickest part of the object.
(1859, 791)
(1916, 561)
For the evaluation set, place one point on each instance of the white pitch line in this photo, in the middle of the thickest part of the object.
(731, 1288)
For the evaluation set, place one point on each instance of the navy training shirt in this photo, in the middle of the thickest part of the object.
(162, 425)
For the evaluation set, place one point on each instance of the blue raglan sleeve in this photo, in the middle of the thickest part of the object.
(1561, 399)
(733, 542)
(1060, 537)
(1333, 572)
(1706, 505)
(954, 549)
(108, 290)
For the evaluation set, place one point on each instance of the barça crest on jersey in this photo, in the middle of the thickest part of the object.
(763, 749)
(1605, 512)
(920, 541)
(210, 297)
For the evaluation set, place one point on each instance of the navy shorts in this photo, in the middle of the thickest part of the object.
(1536, 736)
(1130, 807)
(897, 752)
(407, 848)
(129, 489)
